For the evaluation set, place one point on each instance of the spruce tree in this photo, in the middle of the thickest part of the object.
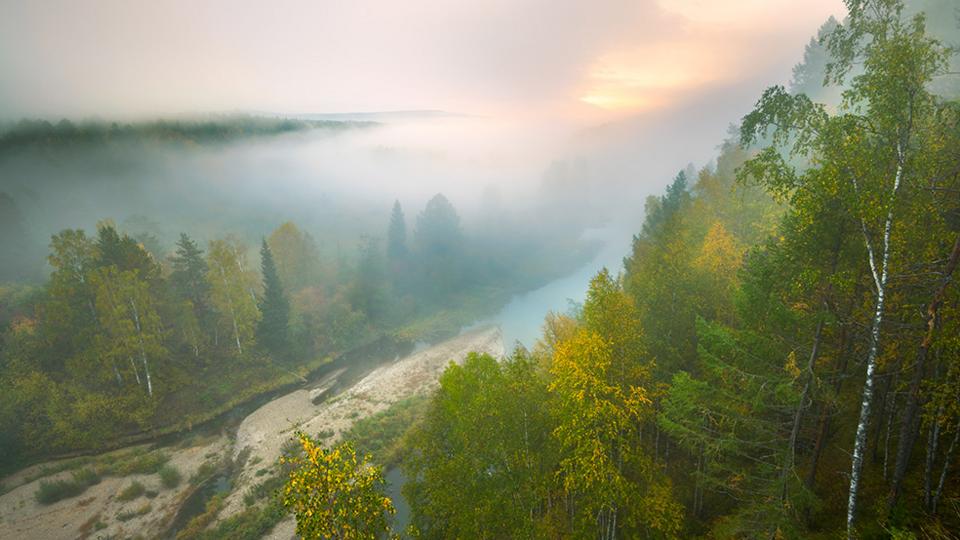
(397, 234)
(189, 275)
(274, 307)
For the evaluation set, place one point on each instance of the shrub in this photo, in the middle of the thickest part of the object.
(141, 464)
(128, 515)
(251, 524)
(169, 476)
(86, 477)
(204, 471)
(196, 526)
(291, 447)
(381, 434)
(266, 490)
(131, 492)
(51, 492)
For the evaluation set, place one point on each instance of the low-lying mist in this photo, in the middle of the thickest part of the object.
(338, 182)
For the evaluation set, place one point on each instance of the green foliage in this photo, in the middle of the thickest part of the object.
(131, 492)
(50, 492)
(188, 280)
(250, 524)
(117, 346)
(480, 463)
(32, 133)
(381, 435)
(141, 510)
(169, 476)
(139, 463)
(439, 248)
(732, 418)
(274, 307)
(865, 167)
(368, 292)
(397, 234)
(232, 292)
(199, 524)
(335, 494)
(296, 256)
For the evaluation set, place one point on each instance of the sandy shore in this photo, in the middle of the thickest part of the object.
(263, 433)
(266, 430)
(22, 517)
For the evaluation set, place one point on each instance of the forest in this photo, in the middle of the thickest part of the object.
(774, 357)
(777, 358)
(125, 342)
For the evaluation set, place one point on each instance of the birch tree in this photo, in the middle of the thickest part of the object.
(130, 322)
(867, 153)
(231, 291)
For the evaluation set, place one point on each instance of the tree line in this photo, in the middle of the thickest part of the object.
(123, 339)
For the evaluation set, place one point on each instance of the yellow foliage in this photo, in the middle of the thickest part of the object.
(335, 494)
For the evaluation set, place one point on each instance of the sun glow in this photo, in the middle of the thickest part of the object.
(646, 77)
(714, 43)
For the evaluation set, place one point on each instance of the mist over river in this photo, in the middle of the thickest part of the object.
(521, 320)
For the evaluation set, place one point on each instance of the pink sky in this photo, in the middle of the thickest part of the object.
(572, 59)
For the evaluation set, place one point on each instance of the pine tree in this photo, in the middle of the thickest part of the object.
(189, 275)
(125, 253)
(397, 234)
(274, 307)
(368, 292)
(189, 283)
(438, 240)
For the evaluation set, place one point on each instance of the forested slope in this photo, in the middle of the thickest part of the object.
(778, 358)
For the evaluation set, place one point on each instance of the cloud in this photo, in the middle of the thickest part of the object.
(115, 57)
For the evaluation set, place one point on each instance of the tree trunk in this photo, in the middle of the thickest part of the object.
(656, 443)
(909, 424)
(136, 372)
(933, 440)
(943, 472)
(881, 416)
(880, 280)
(116, 372)
(798, 415)
(233, 314)
(143, 352)
(824, 424)
(891, 413)
(860, 440)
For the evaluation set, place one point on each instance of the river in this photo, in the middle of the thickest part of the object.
(521, 320)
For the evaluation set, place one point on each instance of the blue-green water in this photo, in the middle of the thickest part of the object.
(521, 320)
(395, 481)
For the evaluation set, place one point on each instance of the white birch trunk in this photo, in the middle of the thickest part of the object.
(143, 352)
(880, 282)
(116, 373)
(233, 313)
(136, 372)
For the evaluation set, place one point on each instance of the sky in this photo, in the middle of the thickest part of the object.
(573, 59)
